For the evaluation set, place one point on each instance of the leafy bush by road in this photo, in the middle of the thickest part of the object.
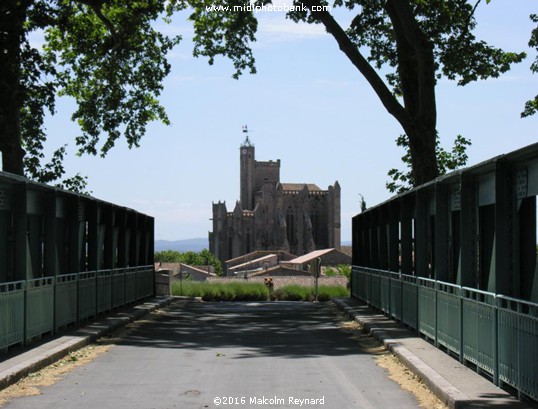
(300, 293)
(191, 258)
(241, 291)
(221, 291)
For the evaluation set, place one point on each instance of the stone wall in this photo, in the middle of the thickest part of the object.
(195, 273)
(281, 281)
(163, 279)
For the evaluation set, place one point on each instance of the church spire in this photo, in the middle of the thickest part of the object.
(247, 142)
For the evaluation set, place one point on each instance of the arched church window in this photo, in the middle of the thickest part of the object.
(290, 226)
(314, 219)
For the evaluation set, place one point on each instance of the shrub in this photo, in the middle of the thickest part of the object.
(292, 292)
(191, 258)
(211, 291)
(328, 292)
(340, 269)
(247, 291)
(302, 293)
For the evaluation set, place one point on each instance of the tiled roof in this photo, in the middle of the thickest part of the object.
(259, 253)
(251, 262)
(310, 256)
(299, 186)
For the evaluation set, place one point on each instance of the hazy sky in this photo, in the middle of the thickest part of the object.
(307, 106)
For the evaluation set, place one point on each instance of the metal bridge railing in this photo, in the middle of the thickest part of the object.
(497, 334)
(29, 309)
(517, 337)
(12, 297)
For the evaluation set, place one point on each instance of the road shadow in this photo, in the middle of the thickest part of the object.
(277, 329)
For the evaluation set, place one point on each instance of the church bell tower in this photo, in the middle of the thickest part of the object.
(247, 159)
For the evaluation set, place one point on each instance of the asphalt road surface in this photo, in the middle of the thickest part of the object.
(229, 355)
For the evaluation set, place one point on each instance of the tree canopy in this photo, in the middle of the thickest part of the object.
(401, 47)
(107, 56)
(104, 54)
(531, 106)
(191, 258)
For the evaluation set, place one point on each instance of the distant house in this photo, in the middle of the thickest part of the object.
(280, 271)
(256, 260)
(184, 271)
(261, 263)
(282, 263)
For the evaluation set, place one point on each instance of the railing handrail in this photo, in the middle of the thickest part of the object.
(517, 300)
(477, 291)
(13, 284)
(456, 286)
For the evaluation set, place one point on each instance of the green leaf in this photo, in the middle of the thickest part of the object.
(108, 57)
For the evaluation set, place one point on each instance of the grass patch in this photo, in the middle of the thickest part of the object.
(328, 292)
(248, 291)
(300, 293)
(292, 292)
(221, 291)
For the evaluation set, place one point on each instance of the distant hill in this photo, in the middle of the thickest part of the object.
(182, 245)
(194, 245)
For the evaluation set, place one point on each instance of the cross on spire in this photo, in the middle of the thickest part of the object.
(247, 140)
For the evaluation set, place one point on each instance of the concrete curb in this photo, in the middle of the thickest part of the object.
(16, 368)
(443, 389)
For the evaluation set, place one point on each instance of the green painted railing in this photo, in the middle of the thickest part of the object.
(118, 288)
(375, 291)
(395, 297)
(409, 301)
(517, 329)
(66, 300)
(479, 328)
(497, 334)
(448, 316)
(144, 282)
(39, 306)
(426, 311)
(104, 290)
(29, 309)
(12, 307)
(87, 294)
(130, 285)
(384, 292)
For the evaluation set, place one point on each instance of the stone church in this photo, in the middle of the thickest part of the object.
(295, 217)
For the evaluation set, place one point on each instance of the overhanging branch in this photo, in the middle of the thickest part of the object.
(404, 20)
(95, 5)
(345, 44)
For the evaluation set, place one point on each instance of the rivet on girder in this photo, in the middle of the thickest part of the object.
(456, 200)
(521, 183)
(5, 200)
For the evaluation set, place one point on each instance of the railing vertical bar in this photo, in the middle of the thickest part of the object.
(390, 296)
(402, 298)
(496, 344)
(462, 346)
(436, 318)
(519, 349)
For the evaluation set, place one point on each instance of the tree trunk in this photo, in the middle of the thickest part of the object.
(12, 17)
(416, 70)
(422, 140)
